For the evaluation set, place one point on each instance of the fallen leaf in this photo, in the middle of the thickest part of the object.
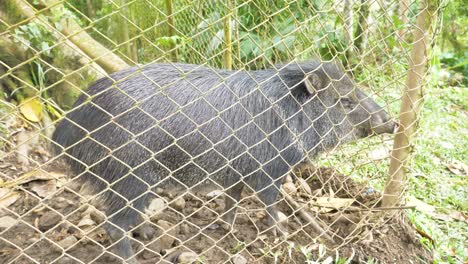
(327, 204)
(303, 185)
(431, 211)
(378, 154)
(420, 205)
(33, 175)
(7, 221)
(458, 168)
(458, 216)
(7, 197)
(32, 109)
(86, 221)
(43, 188)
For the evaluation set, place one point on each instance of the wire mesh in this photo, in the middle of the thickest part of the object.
(199, 131)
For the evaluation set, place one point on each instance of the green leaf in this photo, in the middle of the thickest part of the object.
(250, 45)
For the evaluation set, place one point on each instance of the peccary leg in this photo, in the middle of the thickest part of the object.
(231, 198)
(122, 246)
(118, 226)
(268, 196)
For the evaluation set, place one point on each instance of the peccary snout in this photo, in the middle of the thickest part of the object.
(368, 117)
(381, 123)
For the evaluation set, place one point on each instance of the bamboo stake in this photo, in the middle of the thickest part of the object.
(411, 105)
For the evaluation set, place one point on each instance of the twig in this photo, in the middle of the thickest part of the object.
(354, 209)
(310, 219)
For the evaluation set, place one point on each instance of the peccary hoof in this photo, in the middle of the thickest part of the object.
(277, 230)
(145, 231)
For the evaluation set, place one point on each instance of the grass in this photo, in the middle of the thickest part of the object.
(441, 140)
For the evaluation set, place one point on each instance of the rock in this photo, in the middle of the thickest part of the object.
(67, 242)
(65, 260)
(214, 194)
(159, 191)
(86, 221)
(184, 229)
(156, 206)
(169, 232)
(187, 257)
(289, 188)
(203, 213)
(239, 259)
(288, 178)
(49, 220)
(260, 214)
(282, 218)
(303, 185)
(7, 221)
(179, 204)
(145, 231)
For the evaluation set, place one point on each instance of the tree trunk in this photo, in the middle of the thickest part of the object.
(410, 105)
(170, 29)
(17, 80)
(126, 33)
(403, 14)
(78, 37)
(89, 5)
(348, 22)
(95, 50)
(68, 73)
(227, 36)
(361, 28)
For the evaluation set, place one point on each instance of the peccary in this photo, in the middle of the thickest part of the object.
(179, 125)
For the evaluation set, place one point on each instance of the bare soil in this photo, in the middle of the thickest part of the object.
(63, 228)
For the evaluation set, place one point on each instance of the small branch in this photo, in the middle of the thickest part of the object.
(309, 218)
(377, 209)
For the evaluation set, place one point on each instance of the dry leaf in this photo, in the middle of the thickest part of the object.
(43, 188)
(379, 154)
(86, 221)
(7, 197)
(327, 204)
(420, 205)
(34, 175)
(458, 168)
(32, 110)
(303, 185)
(459, 216)
(7, 221)
(431, 211)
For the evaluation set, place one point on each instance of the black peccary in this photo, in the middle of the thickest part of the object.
(181, 125)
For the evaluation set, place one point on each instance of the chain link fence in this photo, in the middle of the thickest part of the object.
(232, 131)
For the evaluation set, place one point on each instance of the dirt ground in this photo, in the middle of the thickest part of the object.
(44, 221)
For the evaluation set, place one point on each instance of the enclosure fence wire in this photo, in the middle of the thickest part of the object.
(145, 127)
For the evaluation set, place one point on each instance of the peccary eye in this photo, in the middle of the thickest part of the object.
(346, 102)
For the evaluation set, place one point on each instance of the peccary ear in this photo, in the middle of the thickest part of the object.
(313, 83)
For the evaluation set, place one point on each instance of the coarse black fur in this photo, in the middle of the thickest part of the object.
(179, 125)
